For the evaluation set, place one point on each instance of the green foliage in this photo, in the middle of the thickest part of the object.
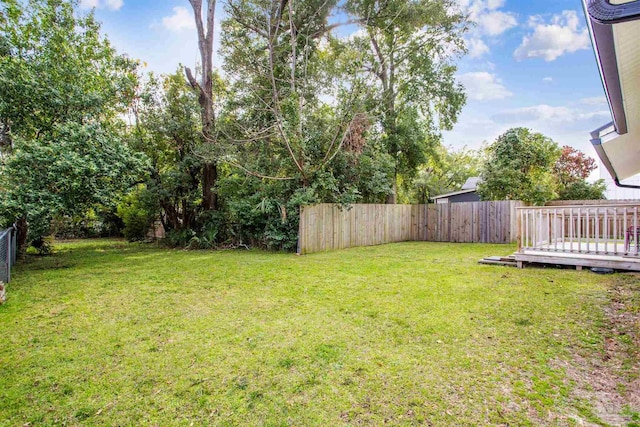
(167, 131)
(519, 167)
(445, 171)
(43, 245)
(583, 190)
(56, 68)
(82, 166)
(571, 171)
(137, 213)
(62, 87)
(405, 54)
(99, 221)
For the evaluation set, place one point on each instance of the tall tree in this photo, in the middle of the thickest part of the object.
(168, 131)
(62, 87)
(296, 129)
(519, 167)
(205, 96)
(56, 67)
(281, 122)
(408, 48)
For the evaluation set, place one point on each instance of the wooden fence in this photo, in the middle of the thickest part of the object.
(473, 222)
(326, 226)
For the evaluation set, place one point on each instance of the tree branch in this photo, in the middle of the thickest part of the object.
(192, 81)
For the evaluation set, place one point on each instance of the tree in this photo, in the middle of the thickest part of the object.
(407, 49)
(519, 167)
(206, 97)
(445, 171)
(65, 172)
(573, 165)
(583, 190)
(279, 122)
(168, 132)
(55, 67)
(62, 87)
(571, 170)
(295, 129)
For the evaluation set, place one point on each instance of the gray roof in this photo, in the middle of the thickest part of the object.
(471, 183)
(455, 193)
(469, 186)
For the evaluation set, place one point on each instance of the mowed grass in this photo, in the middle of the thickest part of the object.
(110, 333)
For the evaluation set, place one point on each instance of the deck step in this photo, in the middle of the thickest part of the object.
(499, 260)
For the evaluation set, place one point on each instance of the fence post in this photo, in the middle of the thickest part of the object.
(8, 260)
(519, 228)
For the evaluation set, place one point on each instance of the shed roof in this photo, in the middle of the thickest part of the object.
(469, 186)
(455, 193)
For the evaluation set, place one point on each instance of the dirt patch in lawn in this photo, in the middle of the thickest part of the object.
(610, 379)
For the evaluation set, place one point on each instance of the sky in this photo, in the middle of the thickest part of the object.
(530, 63)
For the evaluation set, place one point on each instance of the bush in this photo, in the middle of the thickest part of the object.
(44, 245)
(136, 214)
(101, 221)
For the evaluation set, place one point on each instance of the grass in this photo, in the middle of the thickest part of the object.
(109, 333)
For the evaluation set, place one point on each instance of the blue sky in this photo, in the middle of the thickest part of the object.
(530, 63)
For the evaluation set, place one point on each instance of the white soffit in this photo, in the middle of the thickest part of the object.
(624, 151)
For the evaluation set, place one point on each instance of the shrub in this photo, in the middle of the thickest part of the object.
(136, 214)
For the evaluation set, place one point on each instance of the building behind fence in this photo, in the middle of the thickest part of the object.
(7, 253)
(328, 226)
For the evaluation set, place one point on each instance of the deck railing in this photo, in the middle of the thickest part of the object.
(599, 230)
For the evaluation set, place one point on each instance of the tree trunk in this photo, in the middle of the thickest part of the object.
(21, 237)
(392, 198)
(209, 194)
(205, 97)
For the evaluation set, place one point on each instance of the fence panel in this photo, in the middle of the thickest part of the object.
(326, 226)
(7, 253)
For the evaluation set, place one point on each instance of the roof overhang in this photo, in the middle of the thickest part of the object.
(614, 26)
(455, 193)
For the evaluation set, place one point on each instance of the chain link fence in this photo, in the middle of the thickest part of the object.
(7, 253)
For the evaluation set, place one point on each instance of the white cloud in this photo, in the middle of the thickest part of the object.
(494, 4)
(548, 113)
(89, 4)
(490, 21)
(477, 48)
(102, 4)
(595, 100)
(563, 34)
(181, 19)
(548, 79)
(496, 22)
(483, 86)
(114, 4)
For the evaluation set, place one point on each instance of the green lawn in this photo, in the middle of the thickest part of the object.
(109, 333)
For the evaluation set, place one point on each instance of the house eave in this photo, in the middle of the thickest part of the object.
(603, 12)
(613, 34)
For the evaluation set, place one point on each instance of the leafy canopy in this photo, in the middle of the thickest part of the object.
(519, 167)
(62, 88)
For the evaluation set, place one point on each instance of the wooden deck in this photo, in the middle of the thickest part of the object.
(579, 260)
(580, 236)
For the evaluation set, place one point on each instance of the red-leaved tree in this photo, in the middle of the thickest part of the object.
(573, 165)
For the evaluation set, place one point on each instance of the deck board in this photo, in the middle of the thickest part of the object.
(616, 262)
